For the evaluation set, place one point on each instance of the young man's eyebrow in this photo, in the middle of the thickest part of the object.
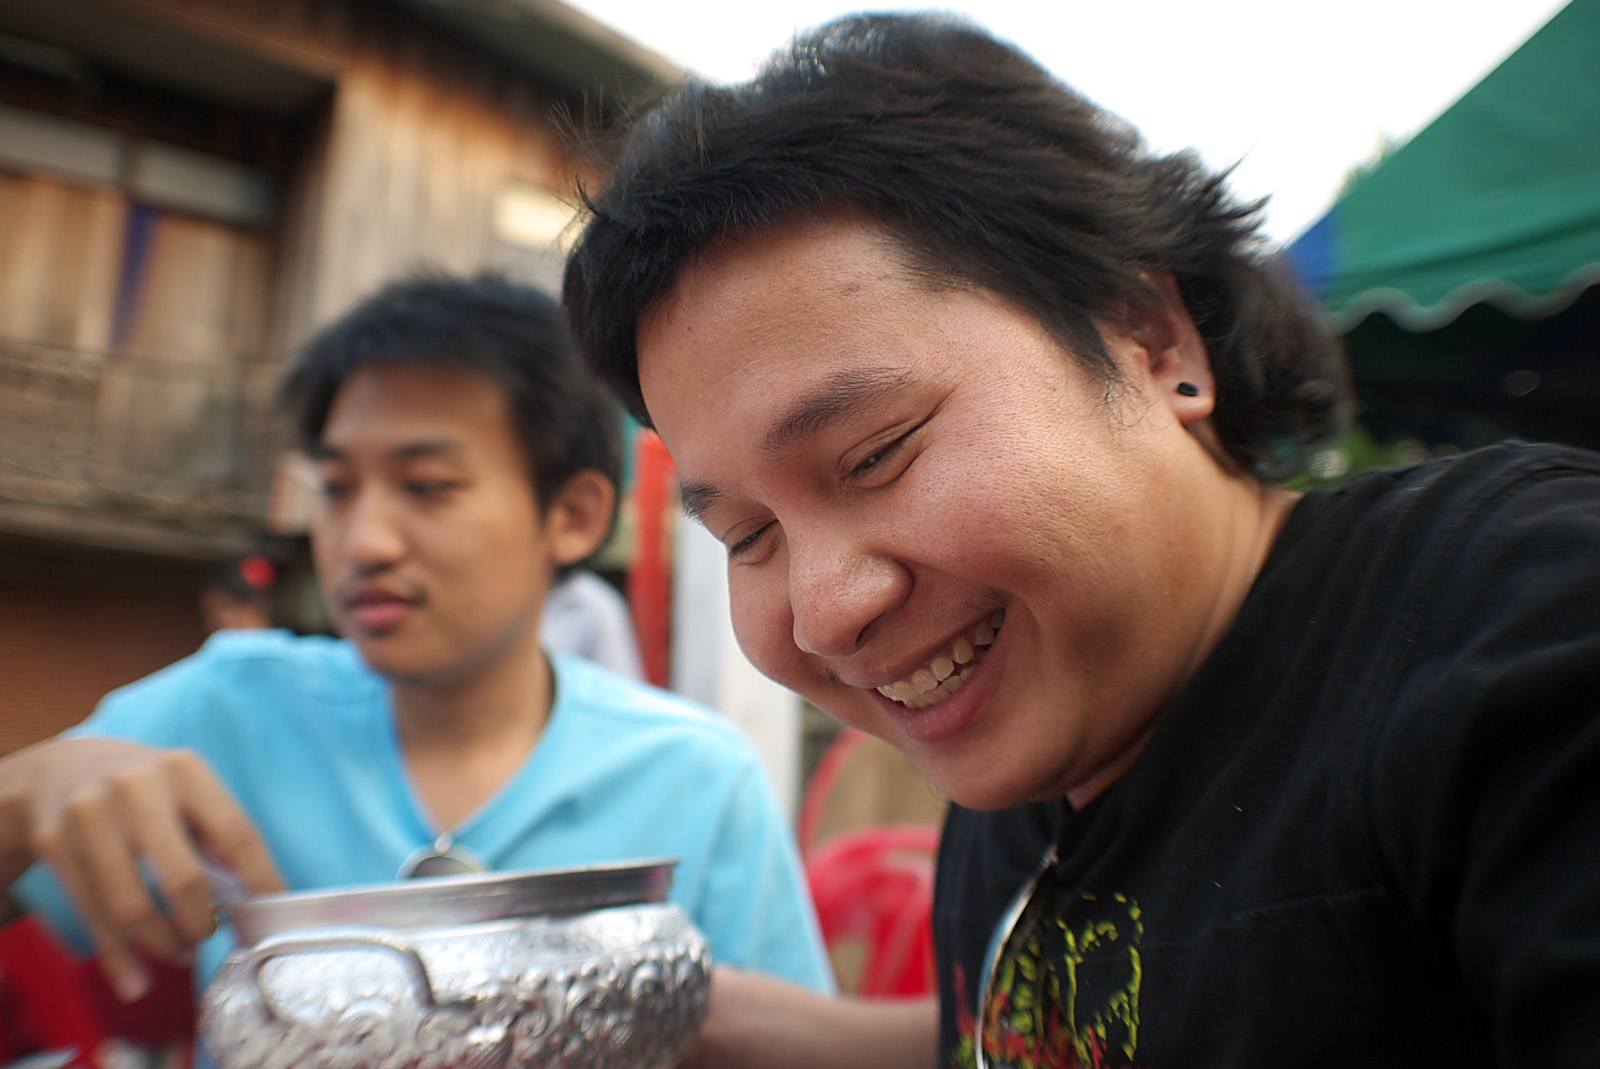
(426, 447)
(837, 397)
(696, 497)
(841, 394)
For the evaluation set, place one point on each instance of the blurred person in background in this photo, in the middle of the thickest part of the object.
(239, 596)
(586, 617)
(989, 405)
(467, 460)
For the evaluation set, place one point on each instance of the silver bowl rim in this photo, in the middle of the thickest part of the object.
(442, 901)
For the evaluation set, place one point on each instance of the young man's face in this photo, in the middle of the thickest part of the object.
(917, 486)
(430, 546)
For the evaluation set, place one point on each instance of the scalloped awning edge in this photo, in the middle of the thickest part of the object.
(1510, 298)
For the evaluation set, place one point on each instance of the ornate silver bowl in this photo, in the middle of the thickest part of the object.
(566, 968)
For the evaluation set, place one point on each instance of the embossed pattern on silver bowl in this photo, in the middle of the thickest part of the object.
(621, 985)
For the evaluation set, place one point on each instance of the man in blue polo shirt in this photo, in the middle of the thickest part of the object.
(467, 462)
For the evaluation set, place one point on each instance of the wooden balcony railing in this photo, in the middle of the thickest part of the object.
(179, 440)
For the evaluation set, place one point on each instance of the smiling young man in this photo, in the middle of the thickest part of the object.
(467, 459)
(988, 404)
(921, 585)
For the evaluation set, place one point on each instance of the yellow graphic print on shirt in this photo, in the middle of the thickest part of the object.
(1065, 993)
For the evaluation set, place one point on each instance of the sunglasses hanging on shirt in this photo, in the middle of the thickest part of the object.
(445, 857)
(1061, 978)
(1001, 952)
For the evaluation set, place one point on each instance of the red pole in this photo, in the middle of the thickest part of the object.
(650, 577)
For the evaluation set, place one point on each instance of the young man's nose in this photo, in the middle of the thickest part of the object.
(837, 592)
(372, 536)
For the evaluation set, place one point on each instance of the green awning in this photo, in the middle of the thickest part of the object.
(1497, 201)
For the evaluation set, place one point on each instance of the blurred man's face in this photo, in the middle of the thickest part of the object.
(430, 547)
(939, 529)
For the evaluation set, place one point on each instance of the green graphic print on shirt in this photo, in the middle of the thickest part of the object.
(1065, 993)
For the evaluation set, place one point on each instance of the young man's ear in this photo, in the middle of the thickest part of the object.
(580, 516)
(1169, 345)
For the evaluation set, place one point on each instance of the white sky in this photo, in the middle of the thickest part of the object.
(1296, 91)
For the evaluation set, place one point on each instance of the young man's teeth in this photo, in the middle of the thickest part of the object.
(944, 675)
(984, 633)
(941, 692)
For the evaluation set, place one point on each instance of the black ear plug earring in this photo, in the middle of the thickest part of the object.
(1188, 389)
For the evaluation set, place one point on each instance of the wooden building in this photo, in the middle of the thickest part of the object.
(188, 189)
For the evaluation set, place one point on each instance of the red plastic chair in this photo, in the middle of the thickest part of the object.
(820, 787)
(871, 885)
(876, 885)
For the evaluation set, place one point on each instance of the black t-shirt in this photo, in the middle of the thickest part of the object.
(1366, 834)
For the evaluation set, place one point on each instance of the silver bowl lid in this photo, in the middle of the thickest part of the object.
(437, 901)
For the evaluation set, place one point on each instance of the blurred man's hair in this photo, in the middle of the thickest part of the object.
(511, 333)
(239, 594)
(987, 173)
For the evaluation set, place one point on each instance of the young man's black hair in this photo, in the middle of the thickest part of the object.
(988, 173)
